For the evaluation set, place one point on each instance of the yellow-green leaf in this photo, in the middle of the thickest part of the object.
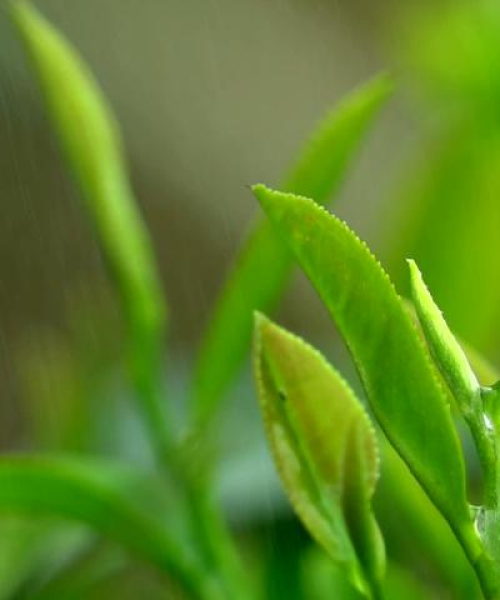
(324, 447)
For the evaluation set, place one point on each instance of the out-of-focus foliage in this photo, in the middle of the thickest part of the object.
(450, 195)
(264, 264)
(449, 218)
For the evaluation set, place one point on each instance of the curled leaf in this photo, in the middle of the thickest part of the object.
(324, 447)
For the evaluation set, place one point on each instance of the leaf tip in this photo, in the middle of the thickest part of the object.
(24, 15)
(260, 191)
(264, 328)
(414, 270)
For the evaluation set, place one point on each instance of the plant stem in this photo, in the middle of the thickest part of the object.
(484, 441)
(215, 541)
(486, 568)
(218, 544)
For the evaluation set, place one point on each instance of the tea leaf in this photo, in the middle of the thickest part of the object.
(392, 362)
(447, 352)
(454, 366)
(261, 270)
(324, 447)
(91, 143)
(485, 372)
(79, 491)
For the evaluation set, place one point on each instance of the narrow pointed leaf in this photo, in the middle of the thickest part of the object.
(80, 492)
(454, 366)
(262, 268)
(447, 352)
(390, 356)
(92, 145)
(324, 447)
(485, 371)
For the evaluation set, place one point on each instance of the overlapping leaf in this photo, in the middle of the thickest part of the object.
(324, 447)
(389, 355)
(96, 494)
(262, 268)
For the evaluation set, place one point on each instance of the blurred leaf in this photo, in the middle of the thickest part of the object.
(450, 225)
(30, 546)
(486, 372)
(482, 368)
(261, 270)
(91, 144)
(326, 582)
(86, 574)
(391, 359)
(96, 494)
(325, 159)
(325, 450)
(418, 537)
(456, 47)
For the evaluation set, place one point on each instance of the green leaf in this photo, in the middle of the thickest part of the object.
(324, 447)
(485, 371)
(454, 366)
(262, 268)
(445, 349)
(84, 492)
(31, 547)
(393, 364)
(91, 144)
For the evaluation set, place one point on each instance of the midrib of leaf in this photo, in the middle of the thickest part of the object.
(320, 500)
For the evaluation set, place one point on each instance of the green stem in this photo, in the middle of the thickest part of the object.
(487, 453)
(226, 581)
(218, 544)
(376, 591)
(215, 541)
(485, 567)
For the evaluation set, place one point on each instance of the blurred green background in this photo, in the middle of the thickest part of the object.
(212, 96)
